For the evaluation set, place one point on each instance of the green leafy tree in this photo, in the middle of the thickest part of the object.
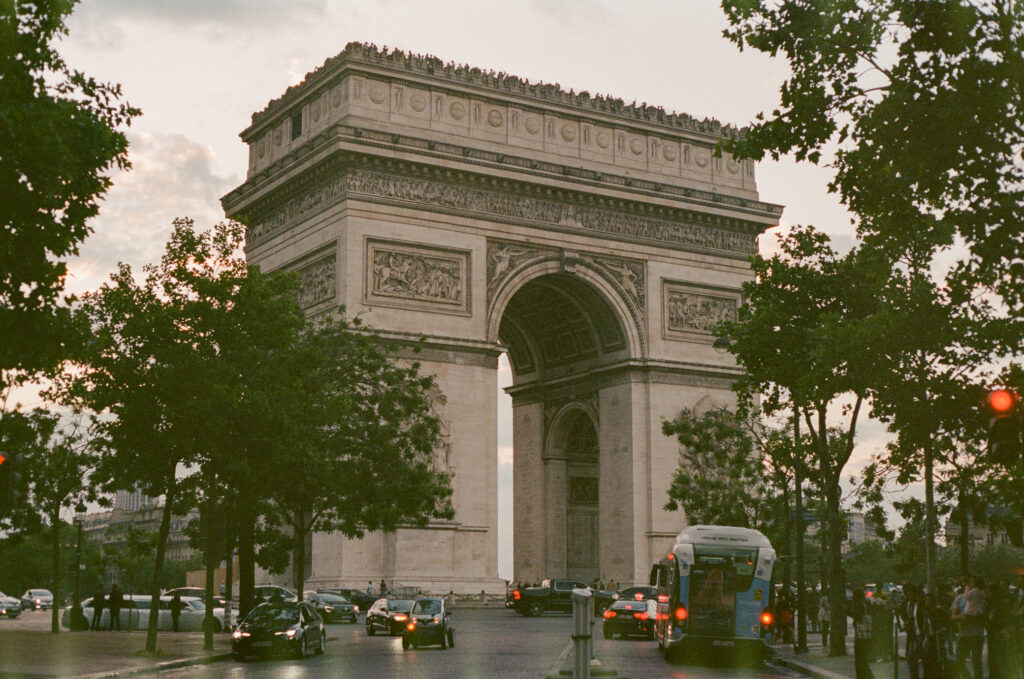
(60, 135)
(148, 371)
(806, 337)
(919, 108)
(59, 464)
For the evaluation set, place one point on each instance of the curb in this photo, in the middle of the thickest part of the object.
(804, 668)
(156, 667)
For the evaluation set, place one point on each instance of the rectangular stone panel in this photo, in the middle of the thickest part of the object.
(317, 277)
(692, 310)
(413, 276)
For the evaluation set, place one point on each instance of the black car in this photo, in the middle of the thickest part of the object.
(639, 593)
(429, 623)
(629, 617)
(333, 608)
(358, 597)
(292, 627)
(388, 615)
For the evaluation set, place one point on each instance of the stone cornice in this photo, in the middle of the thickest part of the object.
(406, 184)
(503, 86)
(759, 211)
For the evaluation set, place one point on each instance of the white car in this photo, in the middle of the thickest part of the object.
(134, 614)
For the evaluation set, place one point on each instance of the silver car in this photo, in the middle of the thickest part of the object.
(10, 607)
(37, 598)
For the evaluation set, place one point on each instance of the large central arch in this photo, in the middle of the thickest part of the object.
(465, 215)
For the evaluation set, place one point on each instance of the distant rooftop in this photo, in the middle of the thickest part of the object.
(499, 82)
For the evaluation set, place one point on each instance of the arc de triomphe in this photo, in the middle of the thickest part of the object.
(596, 243)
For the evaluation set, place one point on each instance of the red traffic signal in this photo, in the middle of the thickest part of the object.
(1001, 401)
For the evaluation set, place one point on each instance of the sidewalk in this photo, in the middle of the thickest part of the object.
(816, 663)
(38, 654)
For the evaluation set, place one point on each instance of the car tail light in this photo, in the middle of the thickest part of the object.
(515, 595)
(663, 598)
(681, 613)
(868, 594)
(767, 618)
(609, 614)
(401, 617)
(640, 616)
(639, 596)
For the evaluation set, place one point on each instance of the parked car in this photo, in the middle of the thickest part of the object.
(631, 617)
(199, 593)
(273, 594)
(429, 623)
(331, 607)
(291, 626)
(639, 593)
(10, 607)
(36, 598)
(134, 614)
(356, 596)
(388, 615)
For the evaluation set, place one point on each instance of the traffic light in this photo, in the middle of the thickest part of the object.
(7, 481)
(1004, 427)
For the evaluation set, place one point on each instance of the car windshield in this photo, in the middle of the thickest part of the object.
(41, 592)
(274, 614)
(197, 605)
(428, 606)
(332, 598)
(403, 605)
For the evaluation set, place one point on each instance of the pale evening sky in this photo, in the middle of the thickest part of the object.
(198, 69)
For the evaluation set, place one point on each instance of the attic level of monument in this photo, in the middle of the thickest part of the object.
(408, 105)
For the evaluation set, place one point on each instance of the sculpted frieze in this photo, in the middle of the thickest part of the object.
(404, 274)
(625, 274)
(317, 281)
(692, 311)
(441, 457)
(428, 194)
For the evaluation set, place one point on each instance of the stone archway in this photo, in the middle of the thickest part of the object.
(465, 215)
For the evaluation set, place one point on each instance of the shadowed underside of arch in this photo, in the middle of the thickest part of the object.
(557, 324)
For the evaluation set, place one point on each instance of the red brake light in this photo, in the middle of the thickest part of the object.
(867, 594)
(609, 614)
(515, 595)
(663, 598)
(767, 618)
(639, 596)
(640, 616)
(681, 614)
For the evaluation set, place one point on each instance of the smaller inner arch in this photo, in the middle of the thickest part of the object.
(558, 324)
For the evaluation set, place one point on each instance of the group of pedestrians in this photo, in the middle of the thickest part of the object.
(114, 602)
(947, 631)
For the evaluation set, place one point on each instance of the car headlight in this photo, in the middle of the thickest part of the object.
(355, 609)
(328, 609)
(238, 634)
(291, 633)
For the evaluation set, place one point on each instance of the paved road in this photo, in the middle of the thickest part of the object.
(489, 643)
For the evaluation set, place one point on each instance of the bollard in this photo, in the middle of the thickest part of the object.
(582, 639)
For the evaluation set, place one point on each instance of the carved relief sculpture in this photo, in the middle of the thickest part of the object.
(504, 257)
(427, 277)
(442, 454)
(691, 311)
(317, 282)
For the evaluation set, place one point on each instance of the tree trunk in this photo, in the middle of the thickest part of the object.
(209, 559)
(836, 584)
(788, 534)
(965, 537)
(229, 572)
(158, 562)
(246, 564)
(55, 565)
(929, 517)
(299, 553)
(798, 505)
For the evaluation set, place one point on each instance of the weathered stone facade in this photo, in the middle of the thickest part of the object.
(596, 243)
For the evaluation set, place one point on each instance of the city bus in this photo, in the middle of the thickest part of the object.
(714, 594)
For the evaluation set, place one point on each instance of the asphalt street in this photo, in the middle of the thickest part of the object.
(489, 643)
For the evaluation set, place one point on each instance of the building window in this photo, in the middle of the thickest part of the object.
(296, 124)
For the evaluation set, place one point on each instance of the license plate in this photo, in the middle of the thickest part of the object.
(262, 644)
(723, 644)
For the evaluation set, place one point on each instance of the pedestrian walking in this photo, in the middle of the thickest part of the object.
(861, 635)
(968, 613)
(176, 607)
(98, 601)
(824, 617)
(369, 588)
(114, 602)
(383, 587)
(613, 586)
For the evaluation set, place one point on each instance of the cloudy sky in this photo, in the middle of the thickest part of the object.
(198, 69)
